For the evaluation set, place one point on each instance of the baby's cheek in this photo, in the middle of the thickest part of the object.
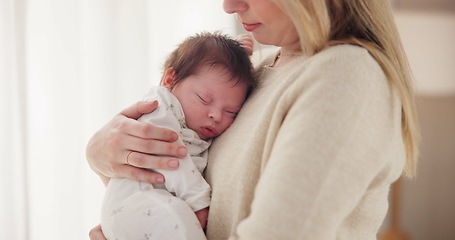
(229, 123)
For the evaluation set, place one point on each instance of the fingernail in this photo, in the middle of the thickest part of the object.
(182, 151)
(174, 136)
(151, 101)
(173, 163)
(159, 179)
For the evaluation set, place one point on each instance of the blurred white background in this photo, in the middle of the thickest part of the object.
(67, 66)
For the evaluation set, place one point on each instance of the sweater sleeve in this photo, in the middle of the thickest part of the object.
(341, 118)
(187, 181)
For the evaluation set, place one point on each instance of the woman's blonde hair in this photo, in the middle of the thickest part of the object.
(369, 24)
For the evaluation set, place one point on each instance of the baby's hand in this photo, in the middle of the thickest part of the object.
(202, 216)
(246, 41)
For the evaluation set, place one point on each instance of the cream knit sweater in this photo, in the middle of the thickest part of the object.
(312, 153)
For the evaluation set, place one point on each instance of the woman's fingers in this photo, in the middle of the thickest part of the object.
(145, 130)
(141, 160)
(154, 147)
(126, 122)
(132, 170)
(140, 174)
(140, 108)
(144, 145)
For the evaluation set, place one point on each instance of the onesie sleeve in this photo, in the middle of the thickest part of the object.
(187, 181)
(340, 121)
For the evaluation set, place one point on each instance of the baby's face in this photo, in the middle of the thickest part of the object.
(210, 100)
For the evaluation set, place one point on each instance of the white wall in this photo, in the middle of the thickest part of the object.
(429, 41)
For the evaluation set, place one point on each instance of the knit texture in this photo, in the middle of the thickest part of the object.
(312, 153)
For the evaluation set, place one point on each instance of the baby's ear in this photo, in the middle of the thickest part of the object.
(168, 80)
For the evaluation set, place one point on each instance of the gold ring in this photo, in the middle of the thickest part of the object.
(126, 158)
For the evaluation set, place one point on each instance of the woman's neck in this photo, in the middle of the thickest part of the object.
(284, 56)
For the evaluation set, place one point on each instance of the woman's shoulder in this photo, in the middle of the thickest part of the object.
(350, 61)
(346, 54)
(341, 68)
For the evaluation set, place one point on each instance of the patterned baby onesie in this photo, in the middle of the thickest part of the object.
(136, 210)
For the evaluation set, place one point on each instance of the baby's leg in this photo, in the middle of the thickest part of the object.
(134, 210)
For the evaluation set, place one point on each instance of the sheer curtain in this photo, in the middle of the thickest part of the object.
(66, 67)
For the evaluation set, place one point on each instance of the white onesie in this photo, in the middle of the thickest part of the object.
(135, 210)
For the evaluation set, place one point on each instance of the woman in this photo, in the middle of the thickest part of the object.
(314, 150)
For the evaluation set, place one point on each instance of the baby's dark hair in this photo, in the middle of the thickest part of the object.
(209, 49)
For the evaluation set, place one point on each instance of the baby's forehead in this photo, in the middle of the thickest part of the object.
(224, 70)
(214, 70)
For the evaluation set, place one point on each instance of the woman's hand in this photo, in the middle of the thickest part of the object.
(108, 151)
